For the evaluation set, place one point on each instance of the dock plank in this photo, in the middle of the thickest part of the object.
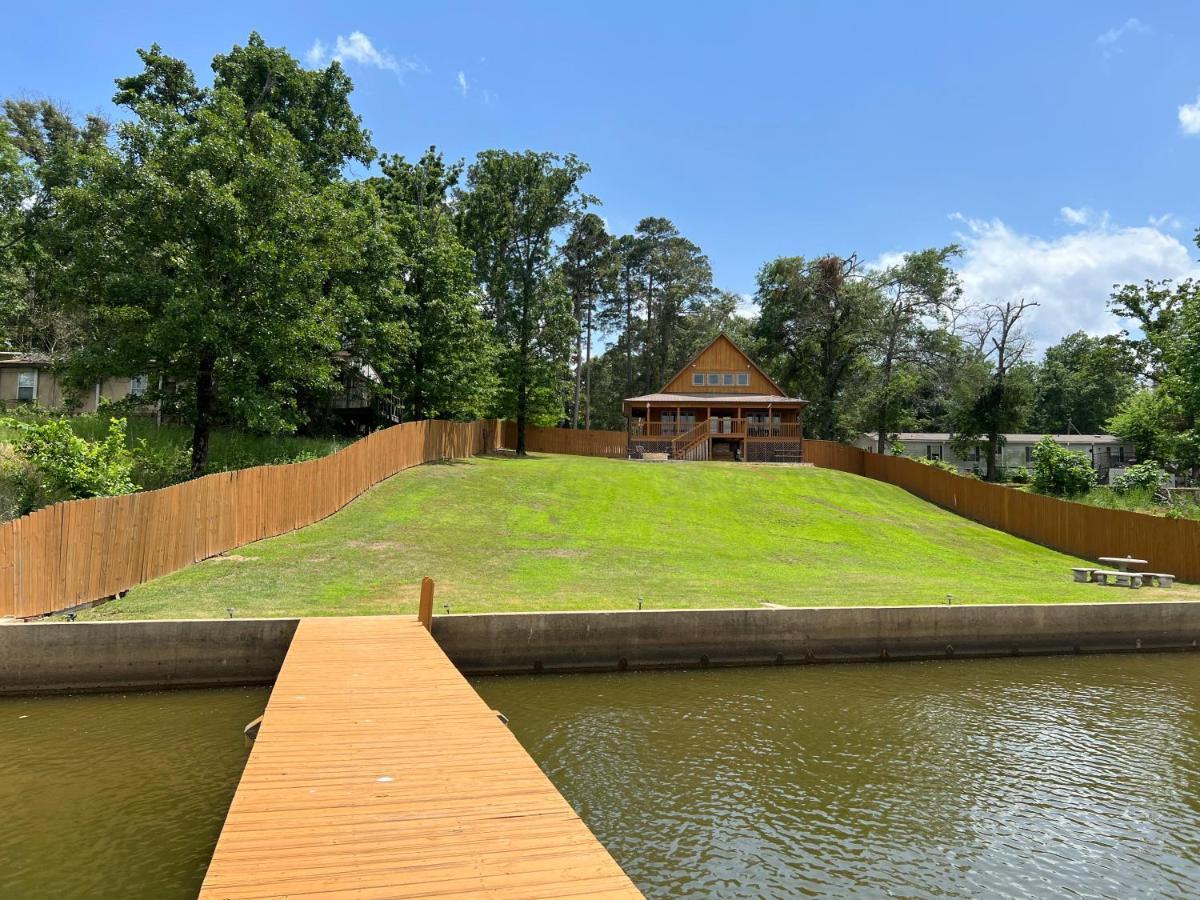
(379, 772)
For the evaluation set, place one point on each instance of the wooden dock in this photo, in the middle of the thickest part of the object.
(379, 772)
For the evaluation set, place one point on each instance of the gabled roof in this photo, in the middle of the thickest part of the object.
(723, 336)
(692, 399)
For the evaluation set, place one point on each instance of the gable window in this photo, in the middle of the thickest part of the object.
(27, 386)
(697, 378)
(714, 379)
(728, 379)
(743, 379)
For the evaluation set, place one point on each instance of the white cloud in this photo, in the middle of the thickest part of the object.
(746, 306)
(316, 55)
(1071, 276)
(1075, 216)
(1110, 42)
(358, 48)
(1189, 117)
(463, 87)
(1169, 221)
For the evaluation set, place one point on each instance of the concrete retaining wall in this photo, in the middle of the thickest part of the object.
(602, 641)
(91, 656)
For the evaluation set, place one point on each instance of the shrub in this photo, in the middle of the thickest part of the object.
(1020, 475)
(940, 464)
(1148, 475)
(1059, 471)
(54, 464)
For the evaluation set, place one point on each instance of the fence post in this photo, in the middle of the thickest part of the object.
(425, 607)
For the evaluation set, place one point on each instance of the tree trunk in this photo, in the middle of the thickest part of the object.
(205, 405)
(587, 388)
(578, 375)
(993, 450)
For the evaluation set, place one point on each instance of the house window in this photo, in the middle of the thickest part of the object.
(1121, 453)
(743, 379)
(714, 379)
(1028, 454)
(27, 386)
(697, 378)
(976, 453)
(138, 385)
(728, 379)
(929, 451)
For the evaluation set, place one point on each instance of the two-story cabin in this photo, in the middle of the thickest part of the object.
(721, 405)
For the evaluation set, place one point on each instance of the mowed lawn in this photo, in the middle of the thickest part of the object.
(569, 533)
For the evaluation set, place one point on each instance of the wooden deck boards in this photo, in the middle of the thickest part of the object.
(379, 772)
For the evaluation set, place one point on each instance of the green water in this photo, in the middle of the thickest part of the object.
(1056, 777)
(118, 795)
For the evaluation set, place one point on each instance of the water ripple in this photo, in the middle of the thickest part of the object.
(1063, 777)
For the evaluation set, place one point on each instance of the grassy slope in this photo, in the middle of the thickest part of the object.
(562, 532)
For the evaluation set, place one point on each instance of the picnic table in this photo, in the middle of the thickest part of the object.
(1123, 562)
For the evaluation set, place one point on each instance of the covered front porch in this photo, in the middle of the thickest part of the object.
(717, 430)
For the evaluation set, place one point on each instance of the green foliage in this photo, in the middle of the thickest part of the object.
(1146, 476)
(56, 464)
(1059, 471)
(514, 205)
(1164, 421)
(444, 367)
(1081, 383)
(1020, 475)
(940, 464)
(211, 247)
(818, 321)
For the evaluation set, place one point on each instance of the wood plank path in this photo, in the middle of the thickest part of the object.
(379, 772)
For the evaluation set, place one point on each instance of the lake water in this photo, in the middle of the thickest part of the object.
(1051, 777)
(118, 795)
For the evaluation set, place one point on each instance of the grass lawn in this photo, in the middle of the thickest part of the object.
(565, 532)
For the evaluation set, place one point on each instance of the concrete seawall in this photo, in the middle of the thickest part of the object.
(93, 656)
(606, 641)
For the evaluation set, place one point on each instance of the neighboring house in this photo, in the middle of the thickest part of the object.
(721, 405)
(30, 378)
(1104, 450)
(360, 399)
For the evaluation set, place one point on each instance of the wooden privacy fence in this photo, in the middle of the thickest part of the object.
(576, 442)
(84, 550)
(1089, 532)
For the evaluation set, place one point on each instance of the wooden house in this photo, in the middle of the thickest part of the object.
(721, 405)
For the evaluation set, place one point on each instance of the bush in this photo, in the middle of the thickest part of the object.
(1148, 475)
(1020, 475)
(1061, 472)
(52, 463)
(940, 464)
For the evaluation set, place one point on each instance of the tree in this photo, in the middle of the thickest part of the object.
(213, 250)
(1165, 420)
(999, 403)
(590, 271)
(444, 366)
(1081, 383)
(514, 205)
(1059, 471)
(916, 296)
(818, 320)
(41, 148)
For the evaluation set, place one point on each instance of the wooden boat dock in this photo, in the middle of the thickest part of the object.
(379, 772)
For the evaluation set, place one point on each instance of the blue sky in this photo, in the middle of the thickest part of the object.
(1059, 142)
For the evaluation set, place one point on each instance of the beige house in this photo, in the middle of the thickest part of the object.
(30, 378)
(1104, 450)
